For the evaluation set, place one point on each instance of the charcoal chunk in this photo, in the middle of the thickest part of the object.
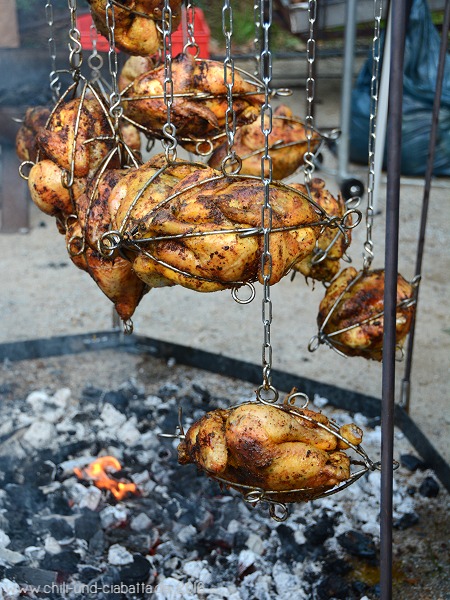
(135, 572)
(429, 487)
(411, 462)
(407, 520)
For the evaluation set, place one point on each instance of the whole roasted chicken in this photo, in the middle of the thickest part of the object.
(287, 142)
(200, 99)
(332, 243)
(35, 119)
(137, 23)
(271, 448)
(351, 312)
(197, 217)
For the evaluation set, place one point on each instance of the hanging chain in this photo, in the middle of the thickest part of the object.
(308, 157)
(257, 40)
(374, 82)
(169, 129)
(231, 163)
(190, 25)
(55, 83)
(75, 56)
(115, 106)
(95, 60)
(266, 177)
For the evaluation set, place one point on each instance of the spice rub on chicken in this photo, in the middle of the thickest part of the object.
(137, 23)
(351, 312)
(287, 141)
(199, 107)
(271, 448)
(188, 229)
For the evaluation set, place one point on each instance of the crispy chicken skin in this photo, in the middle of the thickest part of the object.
(363, 300)
(249, 145)
(63, 142)
(34, 120)
(47, 190)
(135, 33)
(270, 448)
(329, 267)
(208, 263)
(193, 117)
(114, 277)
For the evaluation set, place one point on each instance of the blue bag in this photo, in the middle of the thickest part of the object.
(419, 83)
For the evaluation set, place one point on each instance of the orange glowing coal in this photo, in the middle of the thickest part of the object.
(97, 472)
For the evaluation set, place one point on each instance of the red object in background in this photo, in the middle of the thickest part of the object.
(202, 35)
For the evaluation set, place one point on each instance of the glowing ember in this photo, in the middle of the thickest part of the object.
(98, 471)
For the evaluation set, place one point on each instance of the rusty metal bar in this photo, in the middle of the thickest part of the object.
(406, 381)
(394, 139)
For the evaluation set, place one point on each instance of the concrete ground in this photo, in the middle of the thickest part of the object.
(43, 294)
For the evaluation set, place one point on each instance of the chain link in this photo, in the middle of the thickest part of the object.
(75, 48)
(169, 129)
(115, 106)
(266, 178)
(230, 160)
(374, 83)
(190, 25)
(55, 83)
(257, 40)
(308, 158)
(95, 60)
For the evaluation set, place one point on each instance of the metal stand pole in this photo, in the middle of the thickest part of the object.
(381, 119)
(390, 292)
(346, 91)
(406, 381)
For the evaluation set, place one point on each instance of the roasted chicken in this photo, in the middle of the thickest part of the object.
(74, 137)
(188, 202)
(200, 112)
(136, 23)
(35, 119)
(287, 143)
(114, 277)
(355, 325)
(47, 191)
(272, 448)
(331, 240)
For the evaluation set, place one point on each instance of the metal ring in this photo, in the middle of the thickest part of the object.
(314, 343)
(353, 224)
(234, 294)
(290, 400)
(266, 389)
(75, 240)
(23, 164)
(278, 516)
(200, 152)
(282, 92)
(108, 243)
(228, 162)
(92, 62)
(254, 496)
(192, 45)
